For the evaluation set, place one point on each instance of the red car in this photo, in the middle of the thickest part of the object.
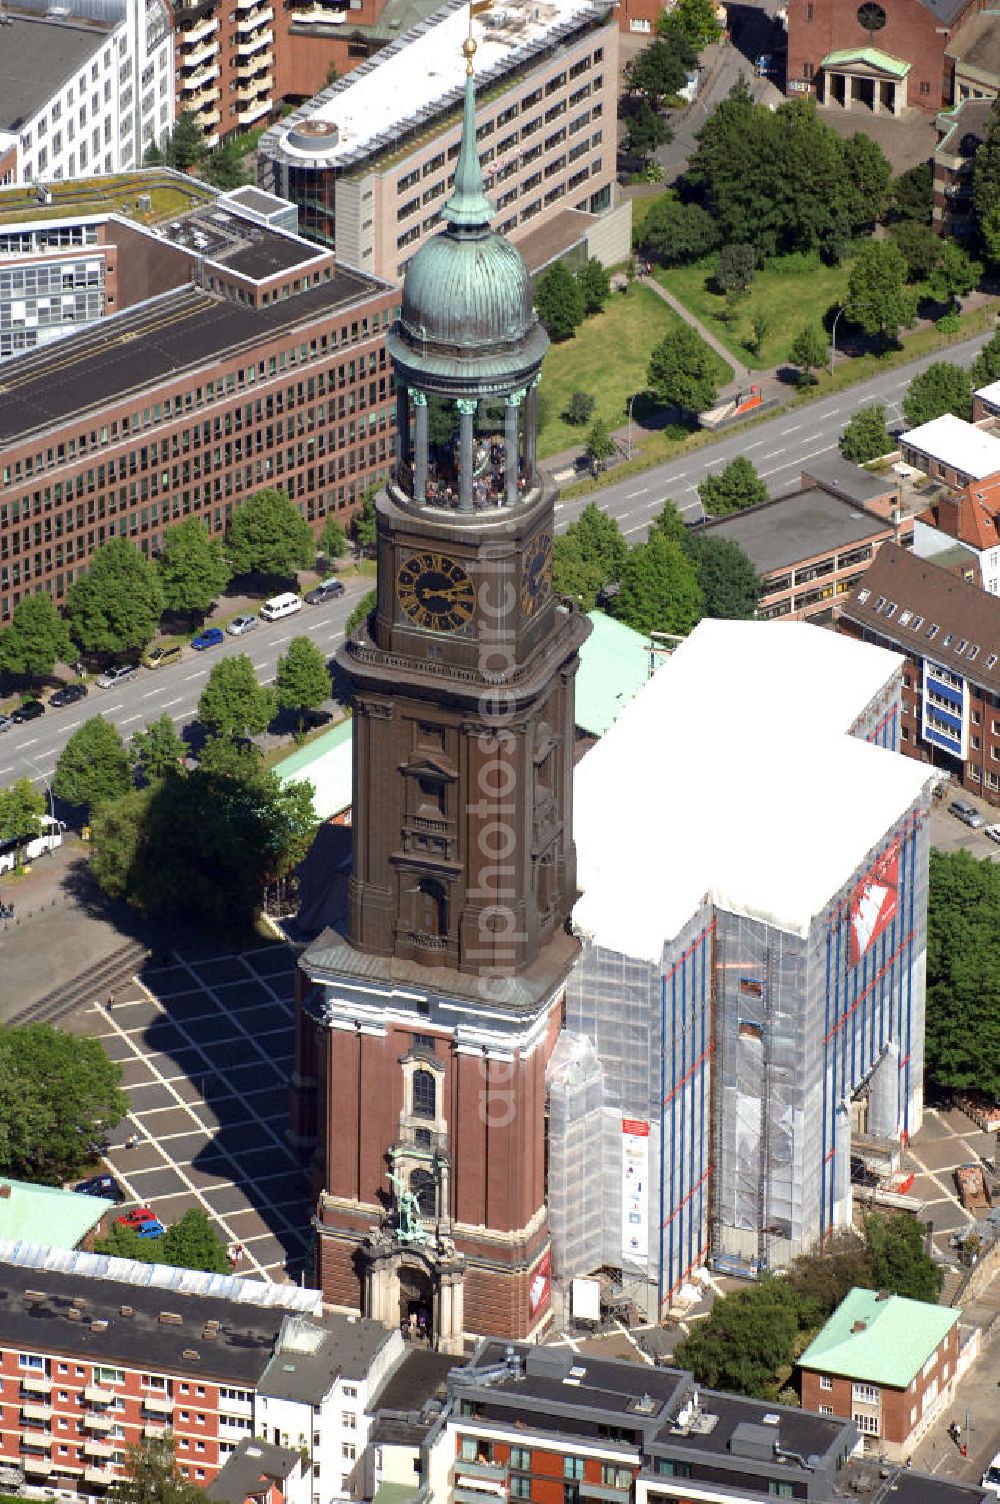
(144, 1221)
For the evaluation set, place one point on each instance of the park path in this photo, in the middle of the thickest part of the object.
(741, 373)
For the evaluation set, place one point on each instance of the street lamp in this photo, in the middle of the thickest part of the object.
(630, 401)
(833, 336)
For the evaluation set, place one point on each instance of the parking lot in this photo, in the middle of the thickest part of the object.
(946, 1140)
(205, 1044)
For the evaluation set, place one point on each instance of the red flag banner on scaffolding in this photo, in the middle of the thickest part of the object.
(873, 903)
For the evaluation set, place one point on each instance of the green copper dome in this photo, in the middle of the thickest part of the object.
(467, 306)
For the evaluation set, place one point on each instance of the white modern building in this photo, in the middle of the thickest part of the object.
(86, 87)
(748, 1009)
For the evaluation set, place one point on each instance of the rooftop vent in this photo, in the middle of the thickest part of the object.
(126, 1311)
(191, 1354)
(99, 1326)
(171, 1318)
(860, 1326)
(4, 1192)
(210, 1334)
(79, 1301)
(34, 1296)
(74, 1314)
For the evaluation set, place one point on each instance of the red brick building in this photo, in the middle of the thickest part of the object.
(887, 1363)
(878, 56)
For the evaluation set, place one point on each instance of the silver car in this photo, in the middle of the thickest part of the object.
(241, 624)
(117, 674)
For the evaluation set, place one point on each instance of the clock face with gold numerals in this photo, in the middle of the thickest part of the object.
(536, 573)
(435, 592)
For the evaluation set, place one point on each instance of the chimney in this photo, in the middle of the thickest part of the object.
(860, 1326)
(4, 1192)
(191, 1354)
(126, 1311)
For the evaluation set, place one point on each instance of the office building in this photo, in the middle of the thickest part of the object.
(370, 161)
(86, 88)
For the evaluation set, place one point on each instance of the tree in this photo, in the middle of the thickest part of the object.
(912, 193)
(920, 246)
(735, 269)
(986, 170)
(559, 301)
(580, 408)
(192, 567)
(736, 487)
(900, 1262)
(121, 1242)
(303, 680)
(268, 535)
(681, 371)
(747, 1340)
(825, 1276)
(963, 978)
(184, 147)
(986, 366)
(662, 68)
(877, 296)
(595, 285)
(93, 766)
(333, 539)
(193, 1243)
(989, 232)
(760, 327)
(21, 809)
(59, 1094)
(867, 182)
(647, 130)
(600, 445)
(118, 833)
(37, 638)
(154, 1477)
(697, 20)
(157, 750)
(729, 583)
(670, 523)
(659, 590)
(866, 436)
(361, 612)
(364, 523)
(588, 557)
(673, 233)
(942, 388)
(116, 606)
(225, 167)
(809, 351)
(955, 275)
(233, 703)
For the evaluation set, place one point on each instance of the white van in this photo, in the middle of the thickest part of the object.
(51, 836)
(281, 605)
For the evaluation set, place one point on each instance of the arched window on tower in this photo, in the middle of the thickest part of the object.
(432, 909)
(423, 1186)
(424, 1095)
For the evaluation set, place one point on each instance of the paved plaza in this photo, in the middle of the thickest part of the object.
(205, 1044)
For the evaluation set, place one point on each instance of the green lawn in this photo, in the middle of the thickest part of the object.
(787, 300)
(607, 357)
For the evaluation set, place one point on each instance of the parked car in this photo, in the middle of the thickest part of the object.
(162, 654)
(241, 624)
(6, 721)
(967, 813)
(29, 711)
(281, 605)
(326, 590)
(105, 1186)
(993, 831)
(144, 1221)
(69, 694)
(117, 674)
(209, 638)
(991, 1477)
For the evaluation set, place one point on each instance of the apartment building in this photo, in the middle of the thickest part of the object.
(95, 1358)
(370, 160)
(268, 369)
(949, 631)
(224, 64)
(86, 87)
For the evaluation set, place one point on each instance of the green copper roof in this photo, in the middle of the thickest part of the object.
(893, 1344)
(614, 665)
(468, 205)
(45, 1214)
(870, 55)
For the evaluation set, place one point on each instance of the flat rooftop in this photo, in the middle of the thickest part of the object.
(169, 194)
(153, 342)
(37, 56)
(421, 75)
(248, 248)
(957, 445)
(805, 525)
(749, 843)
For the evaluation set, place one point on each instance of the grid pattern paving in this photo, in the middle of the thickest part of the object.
(205, 1043)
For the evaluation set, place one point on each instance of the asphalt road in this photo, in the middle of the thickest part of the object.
(32, 750)
(778, 448)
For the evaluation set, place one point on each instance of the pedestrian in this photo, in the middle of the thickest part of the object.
(111, 1002)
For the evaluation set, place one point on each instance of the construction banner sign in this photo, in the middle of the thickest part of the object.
(873, 903)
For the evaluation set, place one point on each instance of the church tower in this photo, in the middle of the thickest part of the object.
(426, 1018)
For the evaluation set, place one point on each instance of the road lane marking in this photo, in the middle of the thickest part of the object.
(794, 429)
(199, 675)
(151, 692)
(34, 739)
(633, 494)
(131, 719)
(173, 702)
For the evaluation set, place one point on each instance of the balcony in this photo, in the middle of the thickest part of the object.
(254, 22)
(202, 75)
(201, 100)
(198, 32)
(33, 1436)
(97, 1422)
(98, 1475)
(152, 1432)
(496, 1472)
(204, 52)
(37, 1465)
(95, 1396)
(426, 1141)
(98, 1449)
(36, 1383)
(253, 112)
(31, 1410)
(159, 1404)
(253, 44)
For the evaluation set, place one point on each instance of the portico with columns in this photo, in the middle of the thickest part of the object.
(864, 79)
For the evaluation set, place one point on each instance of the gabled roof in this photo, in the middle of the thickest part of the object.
(923, 610)
(871, 57)
(45, 1214)
(879, 1339)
